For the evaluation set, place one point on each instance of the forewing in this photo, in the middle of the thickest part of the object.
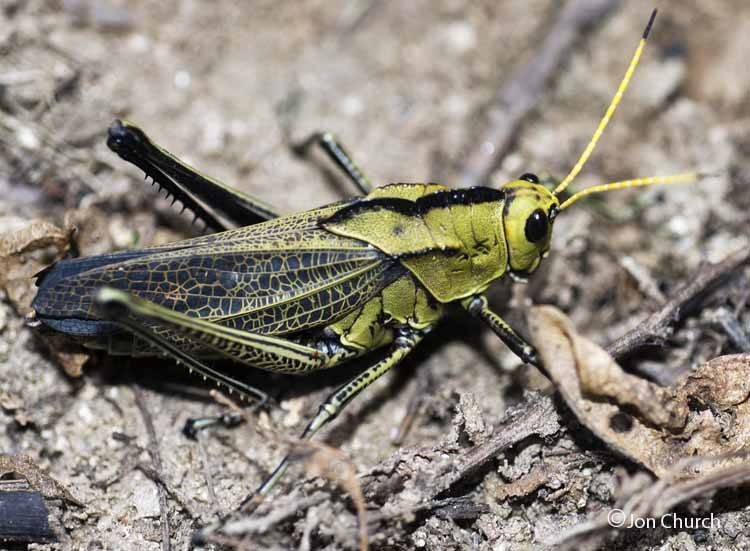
(282, 276)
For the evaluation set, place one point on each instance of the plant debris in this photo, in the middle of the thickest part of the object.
(24, 466)
(706, 414)
(480, 460)
(643, 499)
(18, 263)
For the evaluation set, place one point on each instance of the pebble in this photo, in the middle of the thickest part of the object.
(182, 80)
(293, 408)
(145, 497)
(352, 105)
(457, 107)
(656, 82)
(461, 36)
(139, 43)
(26, 138)
(122, 235)
(85, 414)
(679, 225)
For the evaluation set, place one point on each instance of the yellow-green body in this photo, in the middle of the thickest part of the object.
(454, 248)
(355, 272)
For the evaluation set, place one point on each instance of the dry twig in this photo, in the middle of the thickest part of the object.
(286, 508)
(727, 320)
(522, 93)
(423, 388)
(535, 417)
(38, 480)
(153, 450)
(655, 500)
(657, 327)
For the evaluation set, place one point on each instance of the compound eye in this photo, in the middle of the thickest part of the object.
(529, 177)
(536, 226)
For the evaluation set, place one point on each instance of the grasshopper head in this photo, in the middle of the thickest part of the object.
(530, 208)
(529, 211)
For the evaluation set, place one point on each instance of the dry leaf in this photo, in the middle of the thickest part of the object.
(17, 266)
(334, 465)
(35, 235)
(67, 354)
(24, 466)
(524, 485)
(654, 426)
(318, 459)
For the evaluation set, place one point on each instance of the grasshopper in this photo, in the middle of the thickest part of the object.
(308, 291)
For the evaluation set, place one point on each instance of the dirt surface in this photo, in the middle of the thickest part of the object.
(409, 87)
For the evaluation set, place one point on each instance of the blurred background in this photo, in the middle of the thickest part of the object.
(463, 93)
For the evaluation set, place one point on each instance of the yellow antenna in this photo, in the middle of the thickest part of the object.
(637, 182)
(610, 111)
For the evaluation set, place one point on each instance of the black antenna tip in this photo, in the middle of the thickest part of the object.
(647, 30)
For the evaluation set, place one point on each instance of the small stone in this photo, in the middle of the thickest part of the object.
(139, 43)
(145, 497)
(679, 225)
(85, 414)
(122, 235)
(658, 81)
(457, 107)
(352, 105)
(26, 138)
(182, 79)
(461, 36)
(294, 408)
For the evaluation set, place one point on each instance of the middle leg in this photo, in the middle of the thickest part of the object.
(268, 352)
(403, 344)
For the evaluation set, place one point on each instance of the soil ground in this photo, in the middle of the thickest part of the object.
(408, 86)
